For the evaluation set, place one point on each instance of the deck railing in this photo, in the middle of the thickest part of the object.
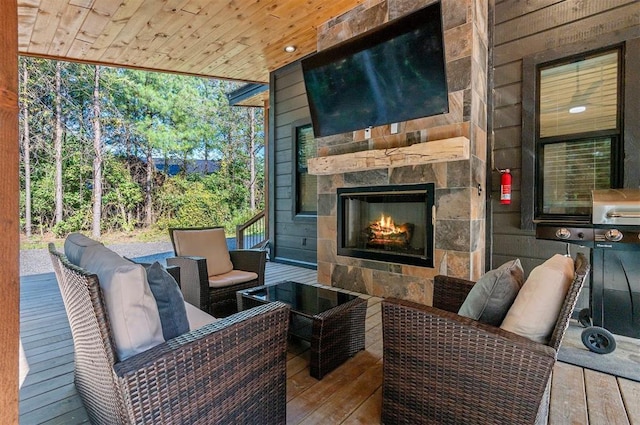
(253, 233)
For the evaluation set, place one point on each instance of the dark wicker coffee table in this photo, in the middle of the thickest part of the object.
(330, 319)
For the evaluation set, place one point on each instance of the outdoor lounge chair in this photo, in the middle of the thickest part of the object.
(442, 368)
(229, 371)
(211, 273)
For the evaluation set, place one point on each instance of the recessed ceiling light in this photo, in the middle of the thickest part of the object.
(290, 49)
(577, 109)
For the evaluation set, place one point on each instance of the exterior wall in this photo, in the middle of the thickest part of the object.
(460, 207)
(294, 238)
(522, 29)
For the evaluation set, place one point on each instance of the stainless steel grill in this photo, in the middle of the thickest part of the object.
(614, 238)
(616, 207)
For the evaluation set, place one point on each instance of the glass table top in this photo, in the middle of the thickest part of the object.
(303, 298)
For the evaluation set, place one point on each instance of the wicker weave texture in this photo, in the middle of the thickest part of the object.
(231, 371)
(337, 334)
(441, 368)
(94, 353)
(582, 268)
(450, 292)
(217, 301)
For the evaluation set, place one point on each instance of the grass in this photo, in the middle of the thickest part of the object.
(108, 238)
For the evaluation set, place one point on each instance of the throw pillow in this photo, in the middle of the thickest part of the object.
(492, 295)
(164, 287)
(132, 310)
(74, 246)
(535, 310)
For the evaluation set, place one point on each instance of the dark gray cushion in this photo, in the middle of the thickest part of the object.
(490, 298)
(173, 315)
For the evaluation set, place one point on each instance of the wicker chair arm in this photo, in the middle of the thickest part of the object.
(450, 292)
(194, 280)
(454, 366)
(174, 271)
(231, 371)
(250, 260)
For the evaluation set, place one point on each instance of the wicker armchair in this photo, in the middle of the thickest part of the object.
(441, 368)
(230, 371)
(198, 280)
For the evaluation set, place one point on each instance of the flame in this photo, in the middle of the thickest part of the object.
(386, 225)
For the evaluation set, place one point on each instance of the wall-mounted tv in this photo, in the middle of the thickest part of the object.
(393, 73)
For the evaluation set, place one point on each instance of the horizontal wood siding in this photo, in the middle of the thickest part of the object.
(522, 29)
(294, 238)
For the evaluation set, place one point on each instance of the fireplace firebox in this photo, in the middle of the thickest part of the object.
(387, 223)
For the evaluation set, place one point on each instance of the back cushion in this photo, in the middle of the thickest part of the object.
(208, 243)
(133, 313)
(75, 245)
(535, 310)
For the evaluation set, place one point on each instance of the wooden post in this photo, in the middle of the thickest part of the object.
(267, 165)
(9, 225)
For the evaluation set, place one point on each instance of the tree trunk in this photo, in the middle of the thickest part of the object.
(206, 158)
(252, 158)
(97, 159)
(58, 147)
(26, 150)
(148, 205)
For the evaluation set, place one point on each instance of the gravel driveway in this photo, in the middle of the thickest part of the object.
(36, 261)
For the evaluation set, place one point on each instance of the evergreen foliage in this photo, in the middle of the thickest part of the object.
(145, 118)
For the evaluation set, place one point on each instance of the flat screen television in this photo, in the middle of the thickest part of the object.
(393, 73)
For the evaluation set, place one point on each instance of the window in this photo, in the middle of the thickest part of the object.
(578, 139)
(306, 184)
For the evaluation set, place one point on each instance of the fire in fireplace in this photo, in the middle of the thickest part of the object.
(384, 234)
(387, 223)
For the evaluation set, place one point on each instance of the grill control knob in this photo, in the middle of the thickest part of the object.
(613, 235)
(563, 233)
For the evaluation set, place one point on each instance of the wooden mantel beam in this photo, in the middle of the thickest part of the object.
(453, 149)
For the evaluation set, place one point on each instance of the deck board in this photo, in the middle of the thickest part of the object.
(568, 399)
(351, 394)
(604, 399)
(630, 391)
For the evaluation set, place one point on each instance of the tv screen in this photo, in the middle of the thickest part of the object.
(390, 74)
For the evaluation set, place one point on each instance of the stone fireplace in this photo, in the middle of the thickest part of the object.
(447, 150)
(386, 223)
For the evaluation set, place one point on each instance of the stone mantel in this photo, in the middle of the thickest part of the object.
(451, 149)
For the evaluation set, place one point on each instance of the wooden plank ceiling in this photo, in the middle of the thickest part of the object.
(231, 39)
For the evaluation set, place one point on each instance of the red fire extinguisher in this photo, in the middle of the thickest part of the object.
(505, 186)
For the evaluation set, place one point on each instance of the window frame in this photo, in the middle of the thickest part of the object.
(628, 161)
(295, 198)
(614, 134)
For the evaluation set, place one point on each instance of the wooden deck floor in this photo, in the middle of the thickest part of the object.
(350, 395)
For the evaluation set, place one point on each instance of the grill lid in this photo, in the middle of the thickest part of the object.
(616, 206)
